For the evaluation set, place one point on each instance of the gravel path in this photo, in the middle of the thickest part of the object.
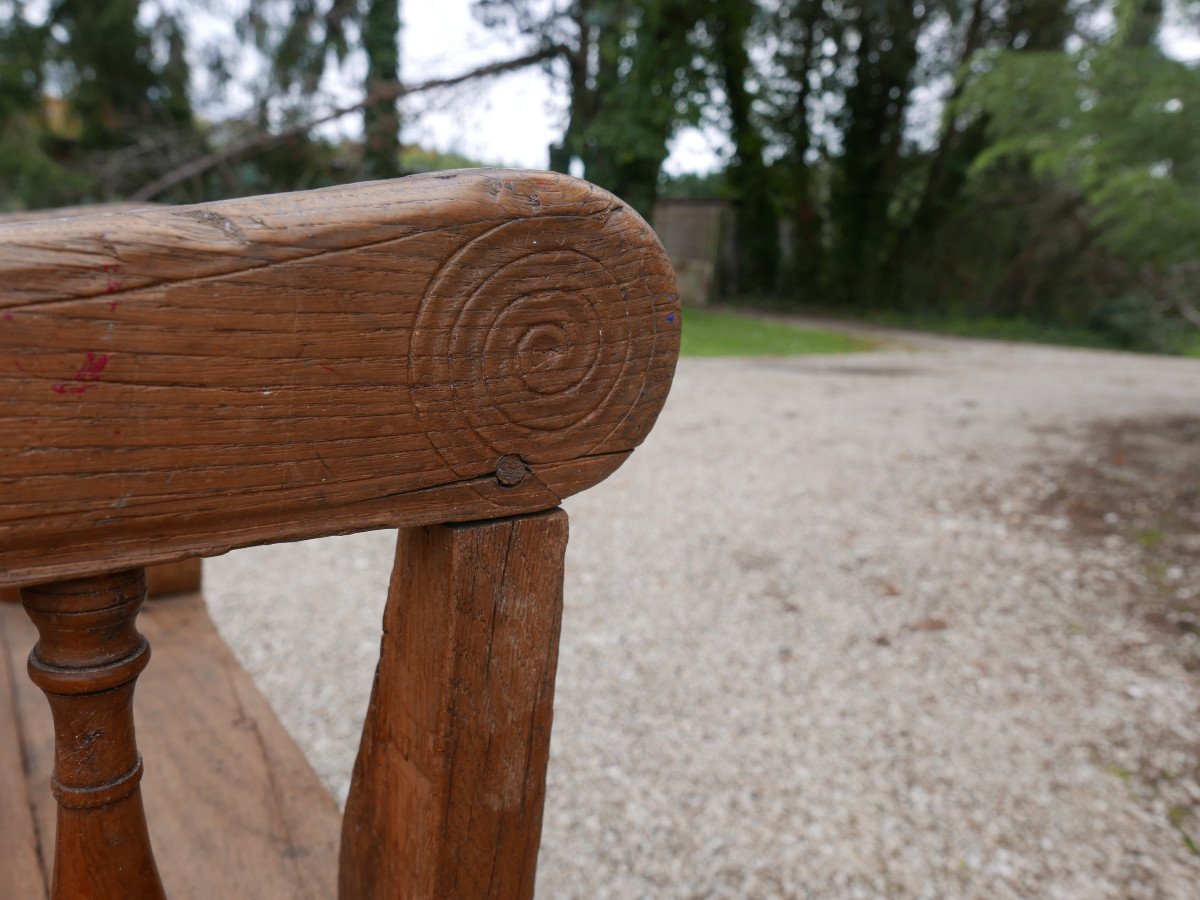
(820, 641)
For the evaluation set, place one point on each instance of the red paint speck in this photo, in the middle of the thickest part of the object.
(93, 365)
(327, 368)
(91, 369)
(112, 286)
(8, 317)
(112, 305)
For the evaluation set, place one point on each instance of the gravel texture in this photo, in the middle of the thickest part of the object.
(823, 639)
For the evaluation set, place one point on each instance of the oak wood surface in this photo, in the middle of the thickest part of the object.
(447, 792)
(233, 807)
(182, 381)
(86, 660)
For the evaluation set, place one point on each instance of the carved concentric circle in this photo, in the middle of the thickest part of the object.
(524, 344)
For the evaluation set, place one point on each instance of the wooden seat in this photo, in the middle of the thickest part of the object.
(448, 355)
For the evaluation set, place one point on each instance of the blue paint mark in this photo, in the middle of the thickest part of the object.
(671, 318)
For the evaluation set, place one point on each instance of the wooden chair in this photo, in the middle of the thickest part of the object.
(447, 354)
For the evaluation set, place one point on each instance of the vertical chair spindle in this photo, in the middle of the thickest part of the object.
(447, 793)
(87, 661)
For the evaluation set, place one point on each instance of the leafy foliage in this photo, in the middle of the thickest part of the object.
(1122, 126)
(27, 169)
(89, 105)
(95, 99)
(1119, 125)
(634, 76)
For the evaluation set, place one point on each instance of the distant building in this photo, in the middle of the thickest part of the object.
(698, 235)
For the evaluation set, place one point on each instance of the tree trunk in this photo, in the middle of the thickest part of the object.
(807, 252)
(381, 119)
(757, 224)
(869, 169)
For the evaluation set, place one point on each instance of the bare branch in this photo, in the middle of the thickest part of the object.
(260, 143)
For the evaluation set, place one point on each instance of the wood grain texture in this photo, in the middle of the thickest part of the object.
(163, 580)
(447, 793)
(68, 212)
(87, 659)
(233, 807)
(182, 381)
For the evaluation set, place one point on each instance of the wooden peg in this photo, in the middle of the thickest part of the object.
(447, 793)
(87, 661)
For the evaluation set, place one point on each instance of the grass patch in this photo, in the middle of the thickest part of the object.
(1029, 331)
(1183, 342)
(998, 329)
(708, 333)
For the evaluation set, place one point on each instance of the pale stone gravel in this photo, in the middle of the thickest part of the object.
(755, 696)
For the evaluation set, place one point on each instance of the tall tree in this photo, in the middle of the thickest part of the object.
(647, 82)
(632, 74)
(1120, 124)
(729, 23)
(802, 34)
(381, 119)
(571, 31)
(29, 173)
(110, 73)
(872, 125)
(102, 92)
(305, 39)
(849, 83)
(1025, 25)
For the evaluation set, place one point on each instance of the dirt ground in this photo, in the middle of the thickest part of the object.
(1134, 485)
(914, 623)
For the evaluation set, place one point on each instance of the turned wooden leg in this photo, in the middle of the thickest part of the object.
(446, 797)
(87, 660)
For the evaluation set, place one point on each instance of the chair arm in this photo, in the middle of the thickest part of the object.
(182, 381)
